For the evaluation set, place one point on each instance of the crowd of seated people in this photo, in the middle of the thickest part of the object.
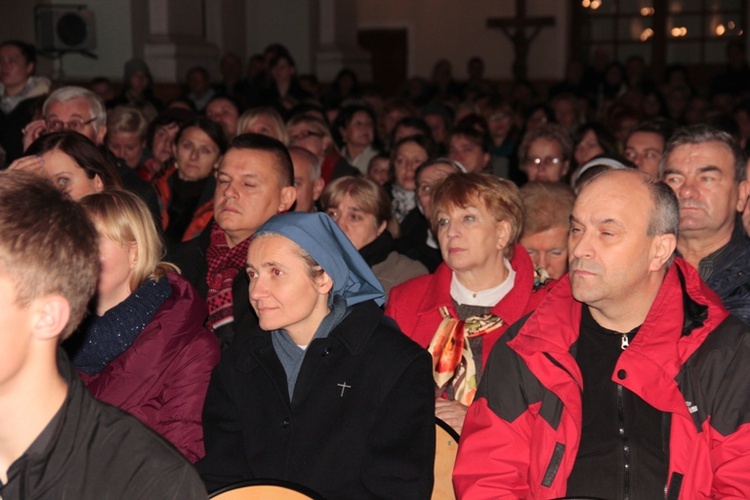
(440, 213)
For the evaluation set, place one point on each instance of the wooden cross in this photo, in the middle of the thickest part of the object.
(517, 36)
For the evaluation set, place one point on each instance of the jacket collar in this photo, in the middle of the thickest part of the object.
(670, 334)
(510, 308)
(353, 332)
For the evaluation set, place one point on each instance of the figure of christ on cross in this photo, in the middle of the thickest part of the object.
(515, 29)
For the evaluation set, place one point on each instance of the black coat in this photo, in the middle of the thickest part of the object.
(100, 451)
(360, 425)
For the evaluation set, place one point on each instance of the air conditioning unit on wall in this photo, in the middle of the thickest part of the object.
(64, 28)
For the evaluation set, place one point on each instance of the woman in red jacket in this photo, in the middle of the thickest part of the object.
(485, 284)
(145, 350)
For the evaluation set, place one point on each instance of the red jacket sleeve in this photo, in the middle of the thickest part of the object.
(493, 455)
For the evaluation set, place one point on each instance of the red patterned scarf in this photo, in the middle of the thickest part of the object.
(224, 264)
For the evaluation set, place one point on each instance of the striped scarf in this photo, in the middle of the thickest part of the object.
(224, 264)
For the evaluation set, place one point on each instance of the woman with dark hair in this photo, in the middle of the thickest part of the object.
(71, 161)
(592, 139)
(357, 124)
(406, 156)
(345, 86)
(284, 91)
(186, 188)
(325, 391)
(417, 240)
(160, 140)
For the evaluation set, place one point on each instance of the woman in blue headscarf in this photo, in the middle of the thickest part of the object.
(326, 392)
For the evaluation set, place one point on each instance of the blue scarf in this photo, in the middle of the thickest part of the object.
(108, 336)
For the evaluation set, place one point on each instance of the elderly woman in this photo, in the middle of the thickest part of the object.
(71, 161)
(126, 135)
(186, 188)
(486, 283)
(417, 239)
(325, 391)
(545, 153)
(547, 208)
(361, 208)
(145, 349)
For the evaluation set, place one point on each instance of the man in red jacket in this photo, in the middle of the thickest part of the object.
(632, 382)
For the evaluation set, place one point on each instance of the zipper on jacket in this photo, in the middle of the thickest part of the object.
(625, 445)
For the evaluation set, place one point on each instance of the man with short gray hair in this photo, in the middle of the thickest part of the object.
(77, 109)
(706, 168)
(630, 380)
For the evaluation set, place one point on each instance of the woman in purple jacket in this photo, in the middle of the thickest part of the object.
(145, 350)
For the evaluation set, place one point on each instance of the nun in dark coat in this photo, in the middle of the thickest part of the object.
(326, 391)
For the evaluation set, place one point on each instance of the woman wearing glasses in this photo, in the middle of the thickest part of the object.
(545, 153)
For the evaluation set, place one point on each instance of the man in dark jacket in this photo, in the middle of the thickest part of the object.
(254, 181)
(632, 382)
(56, 440)
(706, 169)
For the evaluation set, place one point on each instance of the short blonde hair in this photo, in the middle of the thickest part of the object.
(500, 197)
(318, 125)
(547, 205)
(368, 194)
(126, 220)
(128, 120)
(249, 117)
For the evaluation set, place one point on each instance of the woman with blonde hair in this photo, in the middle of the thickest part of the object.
(145, 349)
(126, 135)
(263, 120)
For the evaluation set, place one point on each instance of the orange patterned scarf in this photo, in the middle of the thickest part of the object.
(452, 360)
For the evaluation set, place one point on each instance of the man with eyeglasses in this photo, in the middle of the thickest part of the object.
(20, 92)
(76, 109)
(545, 153)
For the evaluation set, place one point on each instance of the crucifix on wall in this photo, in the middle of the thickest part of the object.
(515, 29)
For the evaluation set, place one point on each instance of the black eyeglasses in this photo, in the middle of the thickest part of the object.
(74, 125)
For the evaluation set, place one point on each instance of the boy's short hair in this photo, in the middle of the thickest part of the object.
(47, 244)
